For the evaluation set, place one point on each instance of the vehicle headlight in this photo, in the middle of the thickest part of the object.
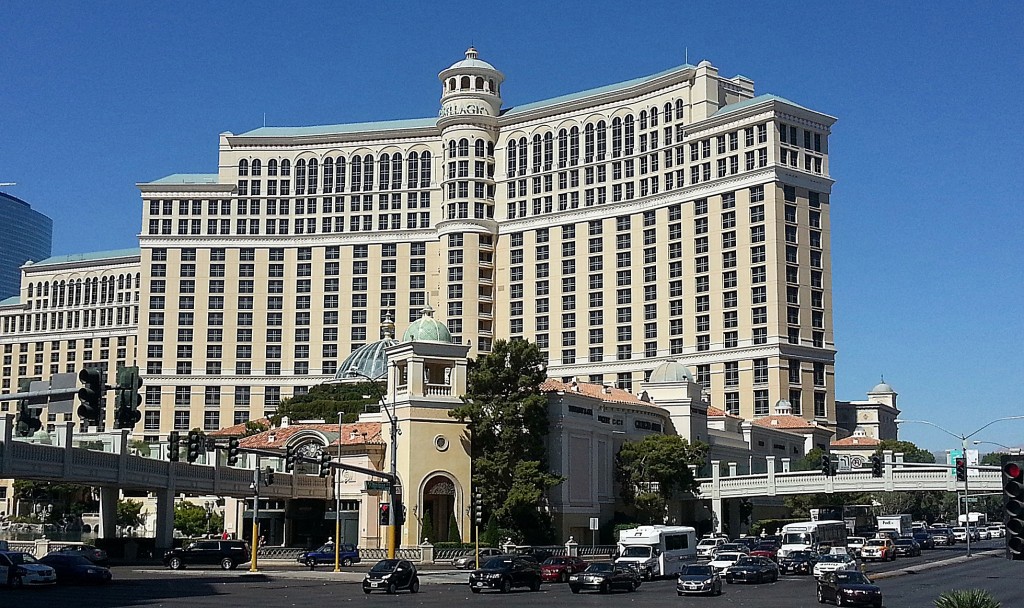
(708, 582)
(91, 571)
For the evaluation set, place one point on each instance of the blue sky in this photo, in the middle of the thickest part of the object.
(926, 211)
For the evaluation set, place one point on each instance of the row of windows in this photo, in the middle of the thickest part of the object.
(357, 172)
(120, 316)
(283, 226)
(301, 206)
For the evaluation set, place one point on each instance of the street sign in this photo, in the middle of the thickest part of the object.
(595, 524)
(376, 485)
(62, 404)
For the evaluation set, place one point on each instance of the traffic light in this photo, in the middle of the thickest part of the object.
(876, 466)
(268, 476)
(325, 464)
(232, 451)
(128, 398)
(91, 395)
(399, 510)
(478, 508)
(961, 469)
(210, 443)
(826, 465)
(1013, 505)
(28, 419)
(195, 445)
(384, 513)
(289, 458)
(174, 446)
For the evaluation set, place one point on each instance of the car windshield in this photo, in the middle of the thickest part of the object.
(600, 568)
(875, 542)
(22, 558)
(636, 552)
(75, 560)
(767, 547)
(496, 563)
(326, 548)
(796, 538)
(850, 577)
(905, 542)
(729, 557)
(697, 571)
(385, 565)
(747, 561)
(831, 558)
(556, 561)
(854, 540)
(707, 542)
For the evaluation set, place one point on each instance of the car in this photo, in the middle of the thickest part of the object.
(996, 531)
(848, 588)
(503, 572)
(833, 562)
(890, 534)
(707, 546)
(925, 539)
(752, 569)
(348, 554)
(228, 554)
(699, 579)
(749, 541)
(960, 534)
(798, 562)
(733, 548)
(724, 559)
(469, 562)
(907, 547)
(854, 543)
(942, 536)
(71, 567)
(605, 577)
(19, 569)
(558, 568)
(769, 549)
(878, 549)
(983, 533)
(390, 575)
(89, 552)
(536, 553)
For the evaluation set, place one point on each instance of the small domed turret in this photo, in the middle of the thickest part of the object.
(671, 371)
(427, 329)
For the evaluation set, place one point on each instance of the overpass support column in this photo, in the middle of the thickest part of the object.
(165, 518)
(716, 494)
(108, 512)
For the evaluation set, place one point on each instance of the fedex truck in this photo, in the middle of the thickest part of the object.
(657, 550)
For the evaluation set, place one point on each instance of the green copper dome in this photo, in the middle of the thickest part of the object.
(671, 371)
(427, 329)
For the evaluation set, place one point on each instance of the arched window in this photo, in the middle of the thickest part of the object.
(243, 167)
(490, 149)
(31, 289)
(535, 165)
(414, 170)
(616, 138)
(463, 147)
(300, 176)
(257, 167)
(328, 175)
(643, 119)
(629, 134)
(563, 148)
(490, 82)
(286, 168)
(128, 282)
(425, 170)
(654, 117)
(272, 167)
(588, 144)
(549, 150)
(384, 172)
(120, 281)
(480, 83)
(396, 172)
(574, 146)
(602, 140)
(451, 84)
(511, 158)
(522, 156)
(679, 109)
(452, 149)
(367, 173)
(311, 178)
(464, 83)
(339, 173)
(357, 173)
(478, 148)
(668, 112)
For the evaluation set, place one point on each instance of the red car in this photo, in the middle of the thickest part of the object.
(769, 550)
(558, 568)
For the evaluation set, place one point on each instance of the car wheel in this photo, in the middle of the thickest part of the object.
(577, 589)
(821, 596)
(366, 590)
(506, 585)
(603, 588)
(473, 589)
(718, 590)
(227, 563)
(311, 562)
(535, 585)
(728, 580)
(415, 586)
(392, 588)
(346, 562)
(175, 563)
(564, 578)
(679, 593)
(878, 604)
(634, 586)
(839, 600)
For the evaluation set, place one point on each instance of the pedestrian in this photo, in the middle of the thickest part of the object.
(263, 541)
(224, 535)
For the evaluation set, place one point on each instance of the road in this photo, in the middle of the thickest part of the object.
(281, 585)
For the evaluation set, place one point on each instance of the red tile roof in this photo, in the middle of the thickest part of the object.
(855, 442)
(237, 430)
(783, 422)
(596, 391)
(714, 412)
(351, 434)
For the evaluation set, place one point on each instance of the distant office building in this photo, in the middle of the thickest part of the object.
(26, 235)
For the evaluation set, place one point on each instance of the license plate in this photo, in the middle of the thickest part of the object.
(375, 584)
(479, 584)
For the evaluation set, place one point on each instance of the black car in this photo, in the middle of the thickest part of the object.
(504, 572)
(848, 588)
(96, 556)
(604, 578)
(699, 578)
(535, 552)
(798, 562)
(907, 547)
(225, 553)
(73, 568)
(752, 570)
(925, 539)
(390, 575)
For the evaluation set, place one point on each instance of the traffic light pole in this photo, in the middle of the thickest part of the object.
(253, 567)
(967, 503)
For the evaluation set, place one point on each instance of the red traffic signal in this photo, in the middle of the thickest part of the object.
(384, 512)
(1013, 506)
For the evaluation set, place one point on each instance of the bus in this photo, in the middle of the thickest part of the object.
(812, 535)
(657, 550)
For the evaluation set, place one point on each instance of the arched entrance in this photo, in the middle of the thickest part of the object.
(438, 508)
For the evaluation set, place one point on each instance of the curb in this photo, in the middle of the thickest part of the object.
(932, 565)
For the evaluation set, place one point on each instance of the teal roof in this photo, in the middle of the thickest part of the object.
(671, 371)
(11, 301)
(188, 178)
(355, 127)
(85, 257)
(427, 329)
(592, 92)
(739, 105)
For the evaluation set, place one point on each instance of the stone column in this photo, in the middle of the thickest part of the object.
(426, 552)
(165, 519)
(572, 548)
(108, 512)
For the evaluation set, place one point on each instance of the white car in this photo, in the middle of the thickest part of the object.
(997, 531)
(24, 569)
(960, 534)
(854, 543)
(983, 533)
(725, 559)
(707, 546)
(833, 562)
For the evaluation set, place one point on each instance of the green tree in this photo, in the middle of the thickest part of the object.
(655, 469)
(255, 427)
(427, 533)
(911, 453)
(139, 447)
(324, 401)
(490, 536)
(507, 416)
(192, 520)
(453, 529)
(129, 514)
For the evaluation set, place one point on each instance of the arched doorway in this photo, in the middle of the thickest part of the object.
(438, 508)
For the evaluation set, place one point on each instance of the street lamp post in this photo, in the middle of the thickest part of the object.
(1009, 450)
(392, 488)
(337, 502)
(963, 443)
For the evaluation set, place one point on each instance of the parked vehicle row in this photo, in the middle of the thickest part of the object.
(71, 567)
